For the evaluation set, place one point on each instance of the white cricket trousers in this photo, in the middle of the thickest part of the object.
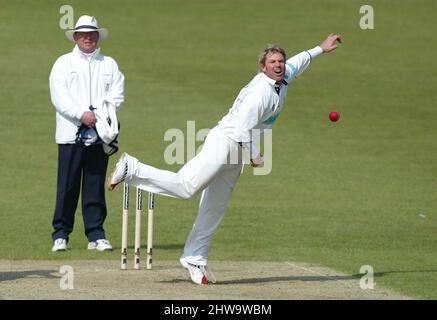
(215, 170)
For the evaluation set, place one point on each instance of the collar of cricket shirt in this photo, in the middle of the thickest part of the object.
(268, 79)
(84, 55)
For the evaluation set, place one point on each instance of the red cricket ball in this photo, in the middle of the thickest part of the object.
(334, 116)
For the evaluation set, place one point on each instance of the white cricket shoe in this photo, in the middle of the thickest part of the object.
(198, 273)
(120, 172)
(100, 245)
(59, 245)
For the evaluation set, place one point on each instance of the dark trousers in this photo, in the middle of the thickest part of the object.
(80, 167)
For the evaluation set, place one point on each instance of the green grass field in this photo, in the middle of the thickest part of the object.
(358, 192)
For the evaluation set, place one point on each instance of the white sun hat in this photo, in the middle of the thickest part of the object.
(87, 24)
(107, 123)
(107, 126)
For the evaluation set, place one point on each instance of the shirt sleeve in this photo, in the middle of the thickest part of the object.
(249, 116)
(61, 98)
(116, 94)
(252, 148)
(297, 64)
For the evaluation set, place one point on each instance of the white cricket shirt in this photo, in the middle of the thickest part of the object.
(258, 105)
(79, 80)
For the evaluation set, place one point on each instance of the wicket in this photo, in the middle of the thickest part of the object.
(124, 230)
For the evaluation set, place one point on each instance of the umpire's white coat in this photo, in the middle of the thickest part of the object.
(256, 107)
(79, 80)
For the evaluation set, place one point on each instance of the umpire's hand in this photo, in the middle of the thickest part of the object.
(89, 119)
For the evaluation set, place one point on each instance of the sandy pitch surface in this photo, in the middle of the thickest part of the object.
(103, 280)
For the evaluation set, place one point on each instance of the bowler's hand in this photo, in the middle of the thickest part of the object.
(89, 119)
(330, 43)
(258, 161)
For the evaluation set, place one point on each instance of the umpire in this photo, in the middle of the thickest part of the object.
(79, 80)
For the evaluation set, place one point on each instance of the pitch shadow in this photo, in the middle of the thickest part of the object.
(384, 273)
(14, 275)
(287, 278)
(273, 279)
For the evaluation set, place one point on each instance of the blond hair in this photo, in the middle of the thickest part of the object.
(270, 49)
